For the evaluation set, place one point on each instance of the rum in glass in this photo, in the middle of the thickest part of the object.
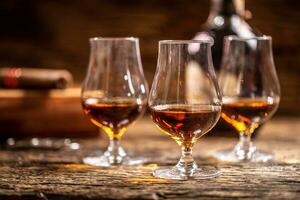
(251, 93)
(185, 102)
(114, 94)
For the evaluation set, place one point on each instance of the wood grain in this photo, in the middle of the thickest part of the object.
(61, 174)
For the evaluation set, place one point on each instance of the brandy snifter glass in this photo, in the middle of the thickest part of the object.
(251, 92)
(185, 102)
(114, 94)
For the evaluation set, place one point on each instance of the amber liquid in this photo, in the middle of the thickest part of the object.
(184, 123)
(113, 115)
(247, 114)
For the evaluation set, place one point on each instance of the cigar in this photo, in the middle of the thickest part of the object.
(34, 78)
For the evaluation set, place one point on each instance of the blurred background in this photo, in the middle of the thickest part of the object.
(54, 34)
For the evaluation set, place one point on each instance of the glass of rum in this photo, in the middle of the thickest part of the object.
(251, 93)
(185, 102)
(114, 94)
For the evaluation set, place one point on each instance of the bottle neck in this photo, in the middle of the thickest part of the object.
(227, 8)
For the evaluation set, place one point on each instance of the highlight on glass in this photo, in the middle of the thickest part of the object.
(251, 92)
(114, 94)
(185, 102)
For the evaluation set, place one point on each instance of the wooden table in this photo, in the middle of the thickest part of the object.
(36, 174)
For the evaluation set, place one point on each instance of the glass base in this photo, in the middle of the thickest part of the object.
(106, 161)
(115, 155)
(231, 155)
(175, 174)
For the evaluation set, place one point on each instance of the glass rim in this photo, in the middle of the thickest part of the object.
(202, 41)
(114, 39)
(259, 38)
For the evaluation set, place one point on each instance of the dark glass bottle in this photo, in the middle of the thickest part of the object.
(226, 17)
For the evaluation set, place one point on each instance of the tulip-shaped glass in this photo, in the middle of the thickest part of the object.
(251, 93)
(185, 102)
(114, 94)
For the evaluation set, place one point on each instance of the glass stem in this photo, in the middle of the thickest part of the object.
(245, 148)
(186, 164)
(115, 153)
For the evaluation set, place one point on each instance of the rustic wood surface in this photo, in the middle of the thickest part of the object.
(41, 174)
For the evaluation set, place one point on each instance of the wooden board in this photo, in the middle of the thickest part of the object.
(61, 174)
(47, 113)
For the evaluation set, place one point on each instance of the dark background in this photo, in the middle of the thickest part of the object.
(54, 34)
